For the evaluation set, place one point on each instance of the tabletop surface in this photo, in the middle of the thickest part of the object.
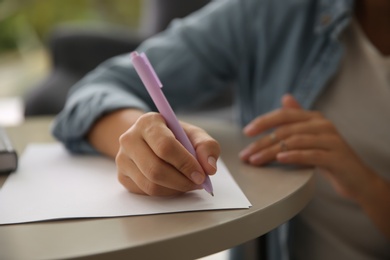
(276, 194)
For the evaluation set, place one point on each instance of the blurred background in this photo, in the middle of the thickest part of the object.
(48, 45)
(25, 29)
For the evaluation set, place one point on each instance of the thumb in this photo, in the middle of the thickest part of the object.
(288, 101)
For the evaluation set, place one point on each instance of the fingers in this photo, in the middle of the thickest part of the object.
(168, 150)
(152, 161)
(277, 118)
(263, 156)
(290, 120)
(313, 157)
(325, 150)
(207, 148)
(296, 145)
(303, 137)
(139, 183)
(255, 150)
(288, 101)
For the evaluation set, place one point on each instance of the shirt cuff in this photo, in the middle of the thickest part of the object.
(82, 110)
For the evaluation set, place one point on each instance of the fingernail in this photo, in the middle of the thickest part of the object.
(244, 154)
(248, 128)
(213, 162)
(256, 158)
(197, 177)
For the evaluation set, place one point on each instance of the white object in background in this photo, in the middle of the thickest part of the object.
(11, 111)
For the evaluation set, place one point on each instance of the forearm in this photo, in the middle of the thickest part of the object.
(376, 204)
(104, 134)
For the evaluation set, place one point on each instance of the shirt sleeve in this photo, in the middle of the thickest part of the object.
(195, 58)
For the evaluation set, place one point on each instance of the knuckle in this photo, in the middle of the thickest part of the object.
(155, 174)
(164, 147)
(124, 138)
(127, 182)
(122, 178)
(120, 158)
(186, 167)
(213, 145)
(145, 119)
(147, 123)
(122, 162)
(152, 189)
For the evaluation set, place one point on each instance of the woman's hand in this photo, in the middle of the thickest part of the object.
(307, 138)
(151, 161)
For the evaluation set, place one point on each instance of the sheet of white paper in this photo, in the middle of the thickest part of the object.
(53, 184)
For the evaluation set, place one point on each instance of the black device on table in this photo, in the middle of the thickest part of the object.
(8, 155)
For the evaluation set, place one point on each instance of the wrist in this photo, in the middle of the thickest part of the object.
(376, 203)
(374, 191)
(104, 134)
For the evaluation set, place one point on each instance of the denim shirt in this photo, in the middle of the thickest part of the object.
(266, 47)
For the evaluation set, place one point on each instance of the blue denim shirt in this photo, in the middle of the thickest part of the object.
(266, 47)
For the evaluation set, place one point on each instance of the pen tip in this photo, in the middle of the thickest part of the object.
(211, 193)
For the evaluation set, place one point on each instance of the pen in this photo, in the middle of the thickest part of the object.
(153, 86)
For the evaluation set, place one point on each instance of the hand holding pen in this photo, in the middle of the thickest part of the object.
(153, 161)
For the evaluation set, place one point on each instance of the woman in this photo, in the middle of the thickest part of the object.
(332, 56)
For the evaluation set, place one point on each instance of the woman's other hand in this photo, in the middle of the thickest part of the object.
(307, 138)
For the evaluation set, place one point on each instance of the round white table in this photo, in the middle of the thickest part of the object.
(277, 194)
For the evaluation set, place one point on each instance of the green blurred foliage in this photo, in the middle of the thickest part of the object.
(7, 39)
(40, 16)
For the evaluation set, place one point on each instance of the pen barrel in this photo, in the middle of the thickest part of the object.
(153, 86)
(172, 122)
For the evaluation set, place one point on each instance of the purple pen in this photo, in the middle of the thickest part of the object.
(153, 86)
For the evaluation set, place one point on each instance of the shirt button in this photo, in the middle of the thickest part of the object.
(326, 19)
